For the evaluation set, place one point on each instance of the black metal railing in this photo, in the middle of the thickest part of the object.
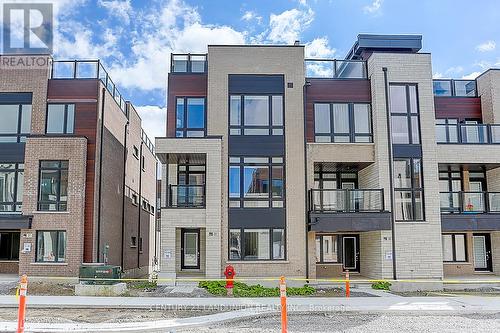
(336, 69)
(470, 202)
(188, 63)
(468, 133)
(455, 88)
(345, 201)
(186, 196)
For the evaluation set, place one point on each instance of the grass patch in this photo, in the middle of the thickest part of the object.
(381, 285)
(142, 285)
(243, 290)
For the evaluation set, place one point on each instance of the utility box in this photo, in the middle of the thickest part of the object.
(90, 272)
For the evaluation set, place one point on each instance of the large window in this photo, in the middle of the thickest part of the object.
(327, 249)
(15, 122)
(408, 189)
(9, 246)
(51, 246)
(256, 244)
(11, 187)
(190, 117)
(454, 248)
(404, 114)
(60, 118)
(256, 115)
(256, 182)
(53, 189)
(342, 122)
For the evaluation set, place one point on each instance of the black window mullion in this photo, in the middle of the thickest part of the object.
(65, 121)
(352, 134)
(19, 120)
(332, 124)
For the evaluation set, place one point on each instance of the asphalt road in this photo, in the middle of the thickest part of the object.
(354, 322)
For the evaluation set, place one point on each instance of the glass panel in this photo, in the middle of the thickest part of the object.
(340, 118)
(277, 107)
(278, 244)
(256, 244)
(26, 119)
(234, 244)
(256, 110)
(70, 121)
(235, 110)
(61, 247)
(398, 99)
(256, 203)
(49, 183)
(442, 88)
(277, 181)
(402, 174)
(322, 119)
(350, 69)
(63, 70)
(180, 63)
(64, 187)
(7, 185)
(180, 113)
(256, 182)
(196, 113)
(495, 133)
(86, 70)
(9, 116)
(341, 138)
(419, 208)
(277, 131)
(320, 69)
(460, 247)
(465, 88)
(198, 63)
(330, 249)
(55, 118)
(234, 181)
(412, 90)
(322, 138)
(318, 248)
(362, 118)
(415, 131)
(399, 126)
(447, 248)
(256, 131)
(234, 131)
(494, 201)
(403, 206)
(277, 160)
(46, 246)
(417, 170)
(20, 186)
(256, 160)
(473, 202)
(190, 249)
(195, 134)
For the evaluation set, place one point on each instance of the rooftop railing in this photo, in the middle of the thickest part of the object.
(455, 88)
(188, 63)
(347, 201)
(468, 133)
(147, 141)
(470, 202)
(87, 69)
(336, 69)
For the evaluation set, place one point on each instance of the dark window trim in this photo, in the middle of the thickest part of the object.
(14, 203)
(13, 251)
(58, 201)
(453, 247)
(65, 121)
(242, 244)
(413, 189)
(339, 256)
(186, 129)
(56, 255)
(20, 136)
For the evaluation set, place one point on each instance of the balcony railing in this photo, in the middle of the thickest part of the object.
(456, 88)
(346, 201)
(470, 202)
(468, 133)
(186, 196)
(336, 69)
(87, 69)
(188, 63)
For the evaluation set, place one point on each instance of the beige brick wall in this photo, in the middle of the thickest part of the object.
(495, 251)
(487, 86)
(73, 149)
(374, 245)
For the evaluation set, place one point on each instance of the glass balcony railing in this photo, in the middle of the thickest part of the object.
(188, 63)
(347, 201)
(186, 196)
(336, 69)
(470, 202)
(468, 133)
(457, 88)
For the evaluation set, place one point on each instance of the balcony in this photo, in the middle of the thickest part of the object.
(336, 69)
(188, 63)
(470, 202)
(186, 196)
(455, 88)
(467, 133)
(347, 210)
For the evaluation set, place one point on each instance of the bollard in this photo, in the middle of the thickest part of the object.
(23, 287)
(283, 305)
(347, 285)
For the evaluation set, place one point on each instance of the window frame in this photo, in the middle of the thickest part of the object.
(352, 135)
(321, 253)
(17, 170)
(242, 244)
(408, 114)
(12, 249)
(270, 127)
(412, 189)
(65, 121)
(59, 170)
(184, 129)
(453, 247)
(19, 134)
(56, 256)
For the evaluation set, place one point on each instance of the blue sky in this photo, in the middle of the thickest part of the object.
(134, 38)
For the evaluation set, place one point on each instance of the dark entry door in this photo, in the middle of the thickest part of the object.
(190, 248)
(482, 253)
(350, 252)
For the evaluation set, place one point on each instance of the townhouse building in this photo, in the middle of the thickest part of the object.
(77, 171)
(281, 165)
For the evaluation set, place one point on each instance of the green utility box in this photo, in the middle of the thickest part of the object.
(88, 274)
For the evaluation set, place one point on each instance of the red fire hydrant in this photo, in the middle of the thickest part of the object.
(230, 274)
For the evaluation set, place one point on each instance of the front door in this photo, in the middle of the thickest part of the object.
(482, 252)
(190, 248)
(350, 253)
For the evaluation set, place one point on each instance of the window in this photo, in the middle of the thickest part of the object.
(60, 119)
(140, 245)
(53, 187)
(143, 162)
(342, 122)
(135, 199)
(408, 189)
(190, 117)
(257, 244)
(11, 187)
(326, 249)
(9, 246)
(16, 122)
(133, 241)
(136, 152)
(454, 248)
(256, 182)
(446, 130)
(404, 114)
(256, 115)
(51, 246)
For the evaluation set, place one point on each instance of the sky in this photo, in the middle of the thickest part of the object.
(134, 38)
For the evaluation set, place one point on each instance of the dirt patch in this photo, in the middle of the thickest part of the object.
(46, 289)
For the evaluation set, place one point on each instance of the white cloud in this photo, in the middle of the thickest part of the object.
(373, 8)
(153, 120)
(471, 76)
(119, 8)
(250, 15)
(319, 48)
(454, 70)
(486, 46)
(287, 26)
(437, 76)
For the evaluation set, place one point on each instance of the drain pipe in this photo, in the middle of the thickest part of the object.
(100, 177)
(304, 98)
(123, 193)
(139, 242)
(391, 172)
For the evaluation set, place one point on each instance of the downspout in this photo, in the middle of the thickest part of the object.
(391, 165)
(156, 255)
(304, 98)
(100, 177)
(123, 193)
(140, 208)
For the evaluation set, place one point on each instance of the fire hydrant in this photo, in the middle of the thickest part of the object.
(230, 274)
